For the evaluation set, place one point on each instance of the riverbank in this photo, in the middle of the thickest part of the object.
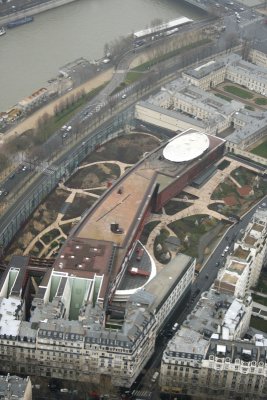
(34, 10)
(32, 121)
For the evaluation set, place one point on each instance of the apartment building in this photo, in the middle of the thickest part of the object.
(243, 266)
(90, 345)
(235, 370)
(209, 357)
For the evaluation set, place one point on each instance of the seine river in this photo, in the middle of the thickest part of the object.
(31, 54)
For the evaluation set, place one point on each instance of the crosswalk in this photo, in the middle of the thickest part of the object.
(142, 394)
(43, 167)
(47, 170)
(50, 170)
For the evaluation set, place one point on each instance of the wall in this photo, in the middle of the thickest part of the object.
(34, 10)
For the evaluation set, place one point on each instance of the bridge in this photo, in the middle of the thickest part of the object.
(199, 4)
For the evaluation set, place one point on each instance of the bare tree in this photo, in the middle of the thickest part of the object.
(231, 40)
(119, 46)
(106, 50)
(246, 47)
(43, 120)
(4, 162)
(156, 22)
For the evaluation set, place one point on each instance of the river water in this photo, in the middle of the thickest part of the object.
(31, 54)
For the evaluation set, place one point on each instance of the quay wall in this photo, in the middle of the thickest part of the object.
(31, 11)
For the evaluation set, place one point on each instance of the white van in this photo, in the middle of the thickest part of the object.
(155, 377)
(175, 327)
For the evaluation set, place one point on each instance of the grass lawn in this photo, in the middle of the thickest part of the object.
(261, 101)
(261, 150)
(148, 228)
(224, 164)
(262, 283)
(244, 94)
(133, 76)
(259, 299)
(258, 323)
(172, 207)
(250, 108)
(136, 73)
(243, 176)
(190, 229)
(223, 97)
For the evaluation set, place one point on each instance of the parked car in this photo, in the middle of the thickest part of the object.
(175, 327)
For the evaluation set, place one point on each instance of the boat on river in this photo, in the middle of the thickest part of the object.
(2, 31)
(18, 22)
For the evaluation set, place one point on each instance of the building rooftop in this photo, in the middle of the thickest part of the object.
(236, 267)
(10, 308)
(186, 147)
(168, 277)
(12, 386)
(240, 252)
(209, 312)
(242, 350)
(186, 341)
(205, 69)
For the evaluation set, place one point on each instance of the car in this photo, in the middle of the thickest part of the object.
(1, 192)
(124, 96)
(54, 385)
(64, 127)
(6, 192)
(175, 327)
(69, 128)
(11, 176)
(24, 168)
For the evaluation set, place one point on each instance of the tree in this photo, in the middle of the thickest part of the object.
(156, 22)
(246, 47)
(231, 39)
(106, 50)
(119, 46)
(4, 162)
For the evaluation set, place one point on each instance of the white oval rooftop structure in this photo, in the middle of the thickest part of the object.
(186, 147)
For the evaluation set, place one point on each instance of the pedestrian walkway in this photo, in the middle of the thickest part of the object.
(57, 224)
(198, 206)
(142, 394)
